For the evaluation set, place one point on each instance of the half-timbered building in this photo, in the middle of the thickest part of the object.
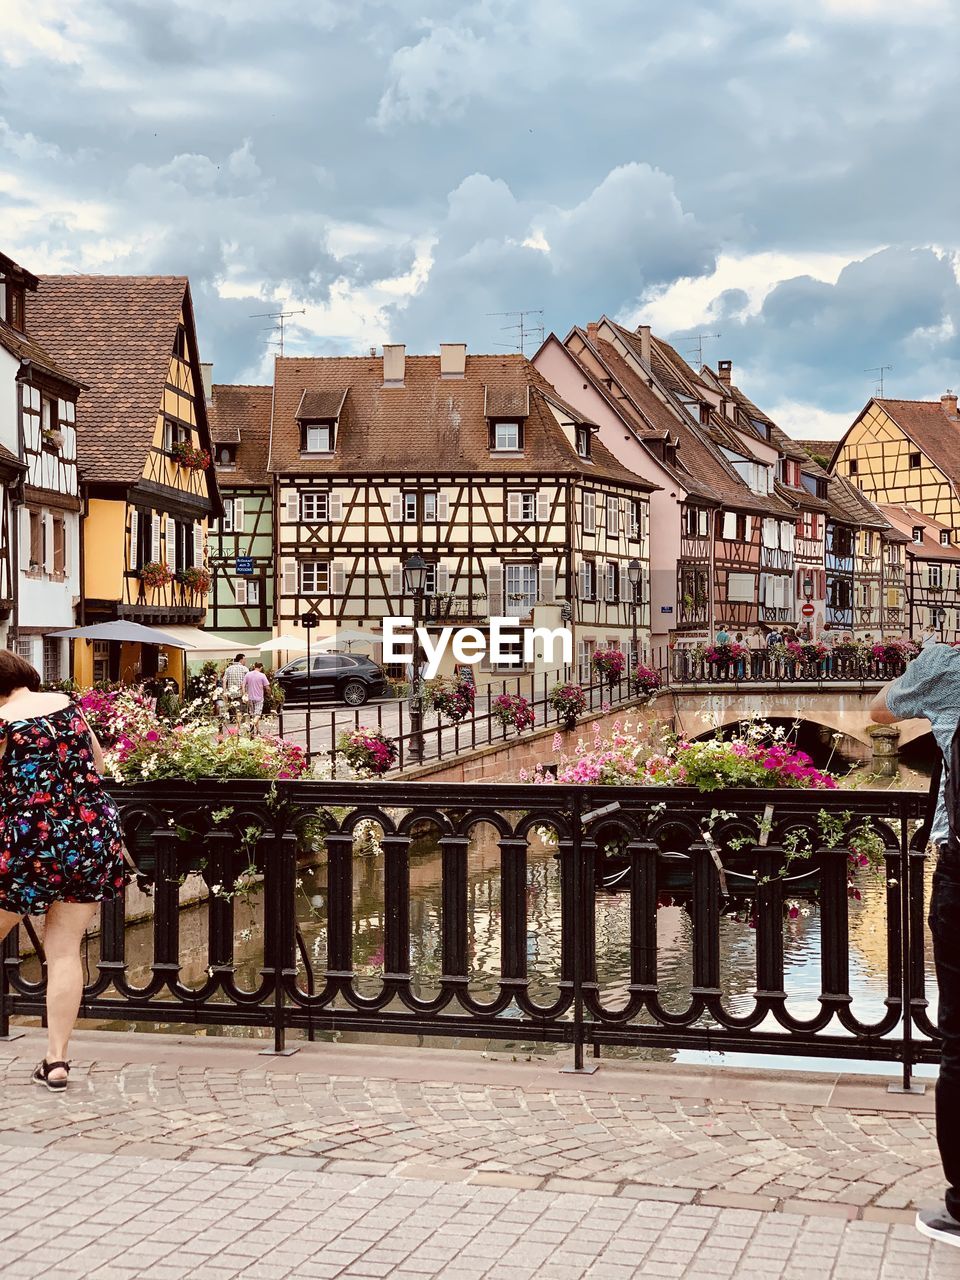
(241, 541)
(475, 462)
(39, 529)
(144, 449)
(932, 572)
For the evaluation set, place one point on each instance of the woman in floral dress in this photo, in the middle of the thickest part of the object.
(61, 846)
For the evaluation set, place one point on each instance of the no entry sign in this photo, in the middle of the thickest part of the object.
(808, 611)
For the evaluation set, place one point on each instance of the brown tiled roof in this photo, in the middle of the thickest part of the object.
(429, 423)
(242, 414)
(935, 433)
(320, 405)
(822, 448)
(848, 504)
(117, 334)
(25, 347)
(905, 519)
(9, 461)
(507, 401)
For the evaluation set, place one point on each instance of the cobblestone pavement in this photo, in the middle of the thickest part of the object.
(172, 1159)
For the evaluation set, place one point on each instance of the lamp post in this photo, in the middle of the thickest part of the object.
(941, 619)
(308, 621)
(414, 581)
(808, 596)
(633, 574)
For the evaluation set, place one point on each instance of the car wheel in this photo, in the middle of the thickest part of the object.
(354, 693)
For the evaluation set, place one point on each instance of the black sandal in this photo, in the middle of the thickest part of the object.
(42, 1075)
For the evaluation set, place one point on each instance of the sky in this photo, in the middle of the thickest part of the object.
(778, 176)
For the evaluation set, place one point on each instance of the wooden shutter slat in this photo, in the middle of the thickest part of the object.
(495, 590)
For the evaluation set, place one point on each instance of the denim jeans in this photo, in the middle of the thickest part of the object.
(945, 926)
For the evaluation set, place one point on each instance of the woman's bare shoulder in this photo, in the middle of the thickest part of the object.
(29, 705)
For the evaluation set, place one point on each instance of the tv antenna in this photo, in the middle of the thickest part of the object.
(880, 370)
(522, 330)
(700, 339)
(278, 315)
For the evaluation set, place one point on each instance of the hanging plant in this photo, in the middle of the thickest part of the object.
(196, 579)
(155, 574)
(569, 701)
(189, 456)
(511, 709)
(609, 664)
(452, 701)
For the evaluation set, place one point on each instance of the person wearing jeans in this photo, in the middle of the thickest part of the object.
(930, 689)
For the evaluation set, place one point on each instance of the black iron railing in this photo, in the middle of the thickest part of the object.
(760, 667)
(707, 851)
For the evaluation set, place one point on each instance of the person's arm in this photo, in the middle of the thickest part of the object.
(910, 696)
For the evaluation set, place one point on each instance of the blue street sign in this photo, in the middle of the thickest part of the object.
(666, 608)
(243, 566)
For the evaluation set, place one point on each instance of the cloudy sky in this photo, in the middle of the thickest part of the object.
(782, 173)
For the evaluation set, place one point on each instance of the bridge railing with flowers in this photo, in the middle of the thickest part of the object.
(791, 661)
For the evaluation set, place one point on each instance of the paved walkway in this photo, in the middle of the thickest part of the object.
(175, 1157)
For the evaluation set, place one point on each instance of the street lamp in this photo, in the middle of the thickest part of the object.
(633, 573)
(808, 596)
(308, 621)
(414, 581)
(941, 619)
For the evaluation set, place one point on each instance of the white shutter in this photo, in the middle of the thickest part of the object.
(155, 538)
(494, 590)
(747, 528)
(170, 530)
(292, 503)
(583, 575)
(336, 579)
(289, 577)
(633, 524)
(134, 537)
(543, 507)
(396, 582)
(396, 508)
(548, 584)
(238, 515)
(241, 590)
(644, 585)
(197, 543)
(589, 512)
(443, 579)
(24, 538)
(336, 506)
(729, 531)
(613, 515)
(514, 508)
(770, 532)
(443, 508)
(703, 523)
(626, 590)
(788, 535)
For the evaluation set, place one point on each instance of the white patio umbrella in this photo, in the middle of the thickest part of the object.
(285, 644)
(347, 639)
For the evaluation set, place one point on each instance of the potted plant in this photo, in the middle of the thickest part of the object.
(513, 710)
(196, 579)
(609, 664)
(368, 751)
(647, 682)
(454, 701)
(569, 701)
(155, 574)
(190, 456)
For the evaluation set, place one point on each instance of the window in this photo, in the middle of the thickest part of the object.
(507, 436)
(36, 541)
(226, 521)
(410, 508)
(183, 532)
(611, 583)
(253, 590)
(589, 511)
(935, 576)
(316, 437)
(583, 441)
(528, 506)
(101, 661)
(868, 542)
(914, 460)
(853, 467)
(520, 590)
(430, 507)
(51, 659)
(225, 455)
(842, 541)
(174, 433)
(314, 506)
(741, 587)
(588, 578)
(944, 537)
(59, 545)
(918, 534)
(11, 300)
(49, 425)
(633, 518)
(613, 516)
(314, 578)
(696, 522)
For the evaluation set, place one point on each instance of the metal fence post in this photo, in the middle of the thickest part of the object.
(583, 901)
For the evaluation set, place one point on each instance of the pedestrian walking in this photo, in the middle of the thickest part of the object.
(232, 684)
(61, 845)
(930, 689)
(256, 686)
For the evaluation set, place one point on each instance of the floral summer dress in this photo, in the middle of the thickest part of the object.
(60, 835)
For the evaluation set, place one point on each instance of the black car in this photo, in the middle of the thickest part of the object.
(345, 677)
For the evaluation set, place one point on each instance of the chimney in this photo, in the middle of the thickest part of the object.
(373, 351)
(593, 332)
(453, 359)
(206, 374)
(394, 359)
(948, 403)
(725, 371)
(646, 352)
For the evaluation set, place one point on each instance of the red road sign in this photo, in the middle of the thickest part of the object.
(808, 611)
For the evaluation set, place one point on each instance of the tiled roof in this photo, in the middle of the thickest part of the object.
(10, 461)
(820, 448)
(25, 347)
(117, 334)
(936, 433)
(242, 414)
(320, 405)
(906, 519)
(849, 505)
(429, 423)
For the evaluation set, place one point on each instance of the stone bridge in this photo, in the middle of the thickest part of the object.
(840, 706)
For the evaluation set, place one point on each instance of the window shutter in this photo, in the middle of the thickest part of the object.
(396, 582)
(543, 507)
(289, 577)
(644, 585)
(241, 590)
(170, 526)
(513, 507)
(443, 579)
(292, 503)
(396, 512)
(729, 532)
(613, 515)
(155, 538)
(24, 538)
(336, 579)
(494, 590)
(443, 508)
(583, 574)
(822, 575)
(336, 507)
(134, 538)
(548, 584)
(770, 530)
(589, 512)
(626, 591)
(197, 543)
(747, 528)
(238, 515)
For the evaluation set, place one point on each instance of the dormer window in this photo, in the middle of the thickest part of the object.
(944, 537)
(583, 441)
(225, 456)
(11, 303)
(316, 437)
(506, 437)
(918, 534)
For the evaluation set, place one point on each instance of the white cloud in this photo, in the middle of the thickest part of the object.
(808, 422)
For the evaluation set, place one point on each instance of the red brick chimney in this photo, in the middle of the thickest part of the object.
(948, 403)
(725, 371)
(593, 332)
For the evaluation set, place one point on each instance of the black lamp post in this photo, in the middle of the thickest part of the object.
(308, 621)
(633, 573)
(941, 619)
(808, 596)
(414, 581)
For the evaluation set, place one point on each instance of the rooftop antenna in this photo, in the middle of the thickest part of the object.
(278, 315)
(879, 371)
(522, 330)
(700, 339)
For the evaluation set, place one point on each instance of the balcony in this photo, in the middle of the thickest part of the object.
(455, 608)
